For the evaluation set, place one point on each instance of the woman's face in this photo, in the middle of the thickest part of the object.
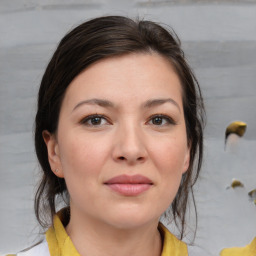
(121, 143)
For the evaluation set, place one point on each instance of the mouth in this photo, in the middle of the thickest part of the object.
(129, 185)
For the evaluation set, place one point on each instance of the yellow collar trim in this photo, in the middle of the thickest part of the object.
(171, 244)
(249, 250)
(60, 244)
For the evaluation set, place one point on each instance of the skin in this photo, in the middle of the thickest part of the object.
(132, 138)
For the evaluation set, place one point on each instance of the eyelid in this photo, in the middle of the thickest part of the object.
(87, 118)
(169, 119)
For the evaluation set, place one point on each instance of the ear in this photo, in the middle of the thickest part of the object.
(53, 153)
(186, 160)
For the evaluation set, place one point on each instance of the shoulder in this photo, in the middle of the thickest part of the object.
(40, 249)
(174, 246)
(249, 250)
(194, 250)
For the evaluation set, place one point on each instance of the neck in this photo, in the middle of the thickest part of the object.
(100, 239)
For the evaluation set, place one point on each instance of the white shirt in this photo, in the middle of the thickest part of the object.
(38, 250)
(43, 250)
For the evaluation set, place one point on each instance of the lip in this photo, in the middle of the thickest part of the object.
(128, 185)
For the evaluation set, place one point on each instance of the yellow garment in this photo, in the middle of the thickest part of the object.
(60, 243)
(249, 250)
(172, 246)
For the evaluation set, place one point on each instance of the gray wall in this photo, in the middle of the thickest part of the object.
(219, 38)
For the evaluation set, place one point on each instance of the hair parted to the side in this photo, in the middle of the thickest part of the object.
(88, 43)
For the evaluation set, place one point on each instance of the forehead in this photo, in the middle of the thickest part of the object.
(122, 78)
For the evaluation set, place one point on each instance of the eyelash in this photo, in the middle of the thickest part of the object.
(85, 120)
(168, 119)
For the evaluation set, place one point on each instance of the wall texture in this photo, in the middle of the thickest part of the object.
(219, 39)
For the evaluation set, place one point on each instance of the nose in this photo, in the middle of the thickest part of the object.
(129, 145)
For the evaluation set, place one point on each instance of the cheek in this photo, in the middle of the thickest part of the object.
(168, 158)
(82, 154)
(82, 160)
(169, 155)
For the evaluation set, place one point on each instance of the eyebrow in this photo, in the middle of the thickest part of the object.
(157, 102)
(108, 104)
(100, 102)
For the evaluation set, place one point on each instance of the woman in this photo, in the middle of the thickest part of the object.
(118, 135)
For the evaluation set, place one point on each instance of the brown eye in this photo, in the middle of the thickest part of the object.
(161, 120)
(157, 120)
(94, 120)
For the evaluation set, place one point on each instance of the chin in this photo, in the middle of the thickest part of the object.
(131, 220)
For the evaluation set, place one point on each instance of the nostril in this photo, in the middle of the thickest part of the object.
(121, 158)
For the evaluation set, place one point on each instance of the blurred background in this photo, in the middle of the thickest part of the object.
(219, 40)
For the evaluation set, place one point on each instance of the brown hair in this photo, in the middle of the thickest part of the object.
(90, 42)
